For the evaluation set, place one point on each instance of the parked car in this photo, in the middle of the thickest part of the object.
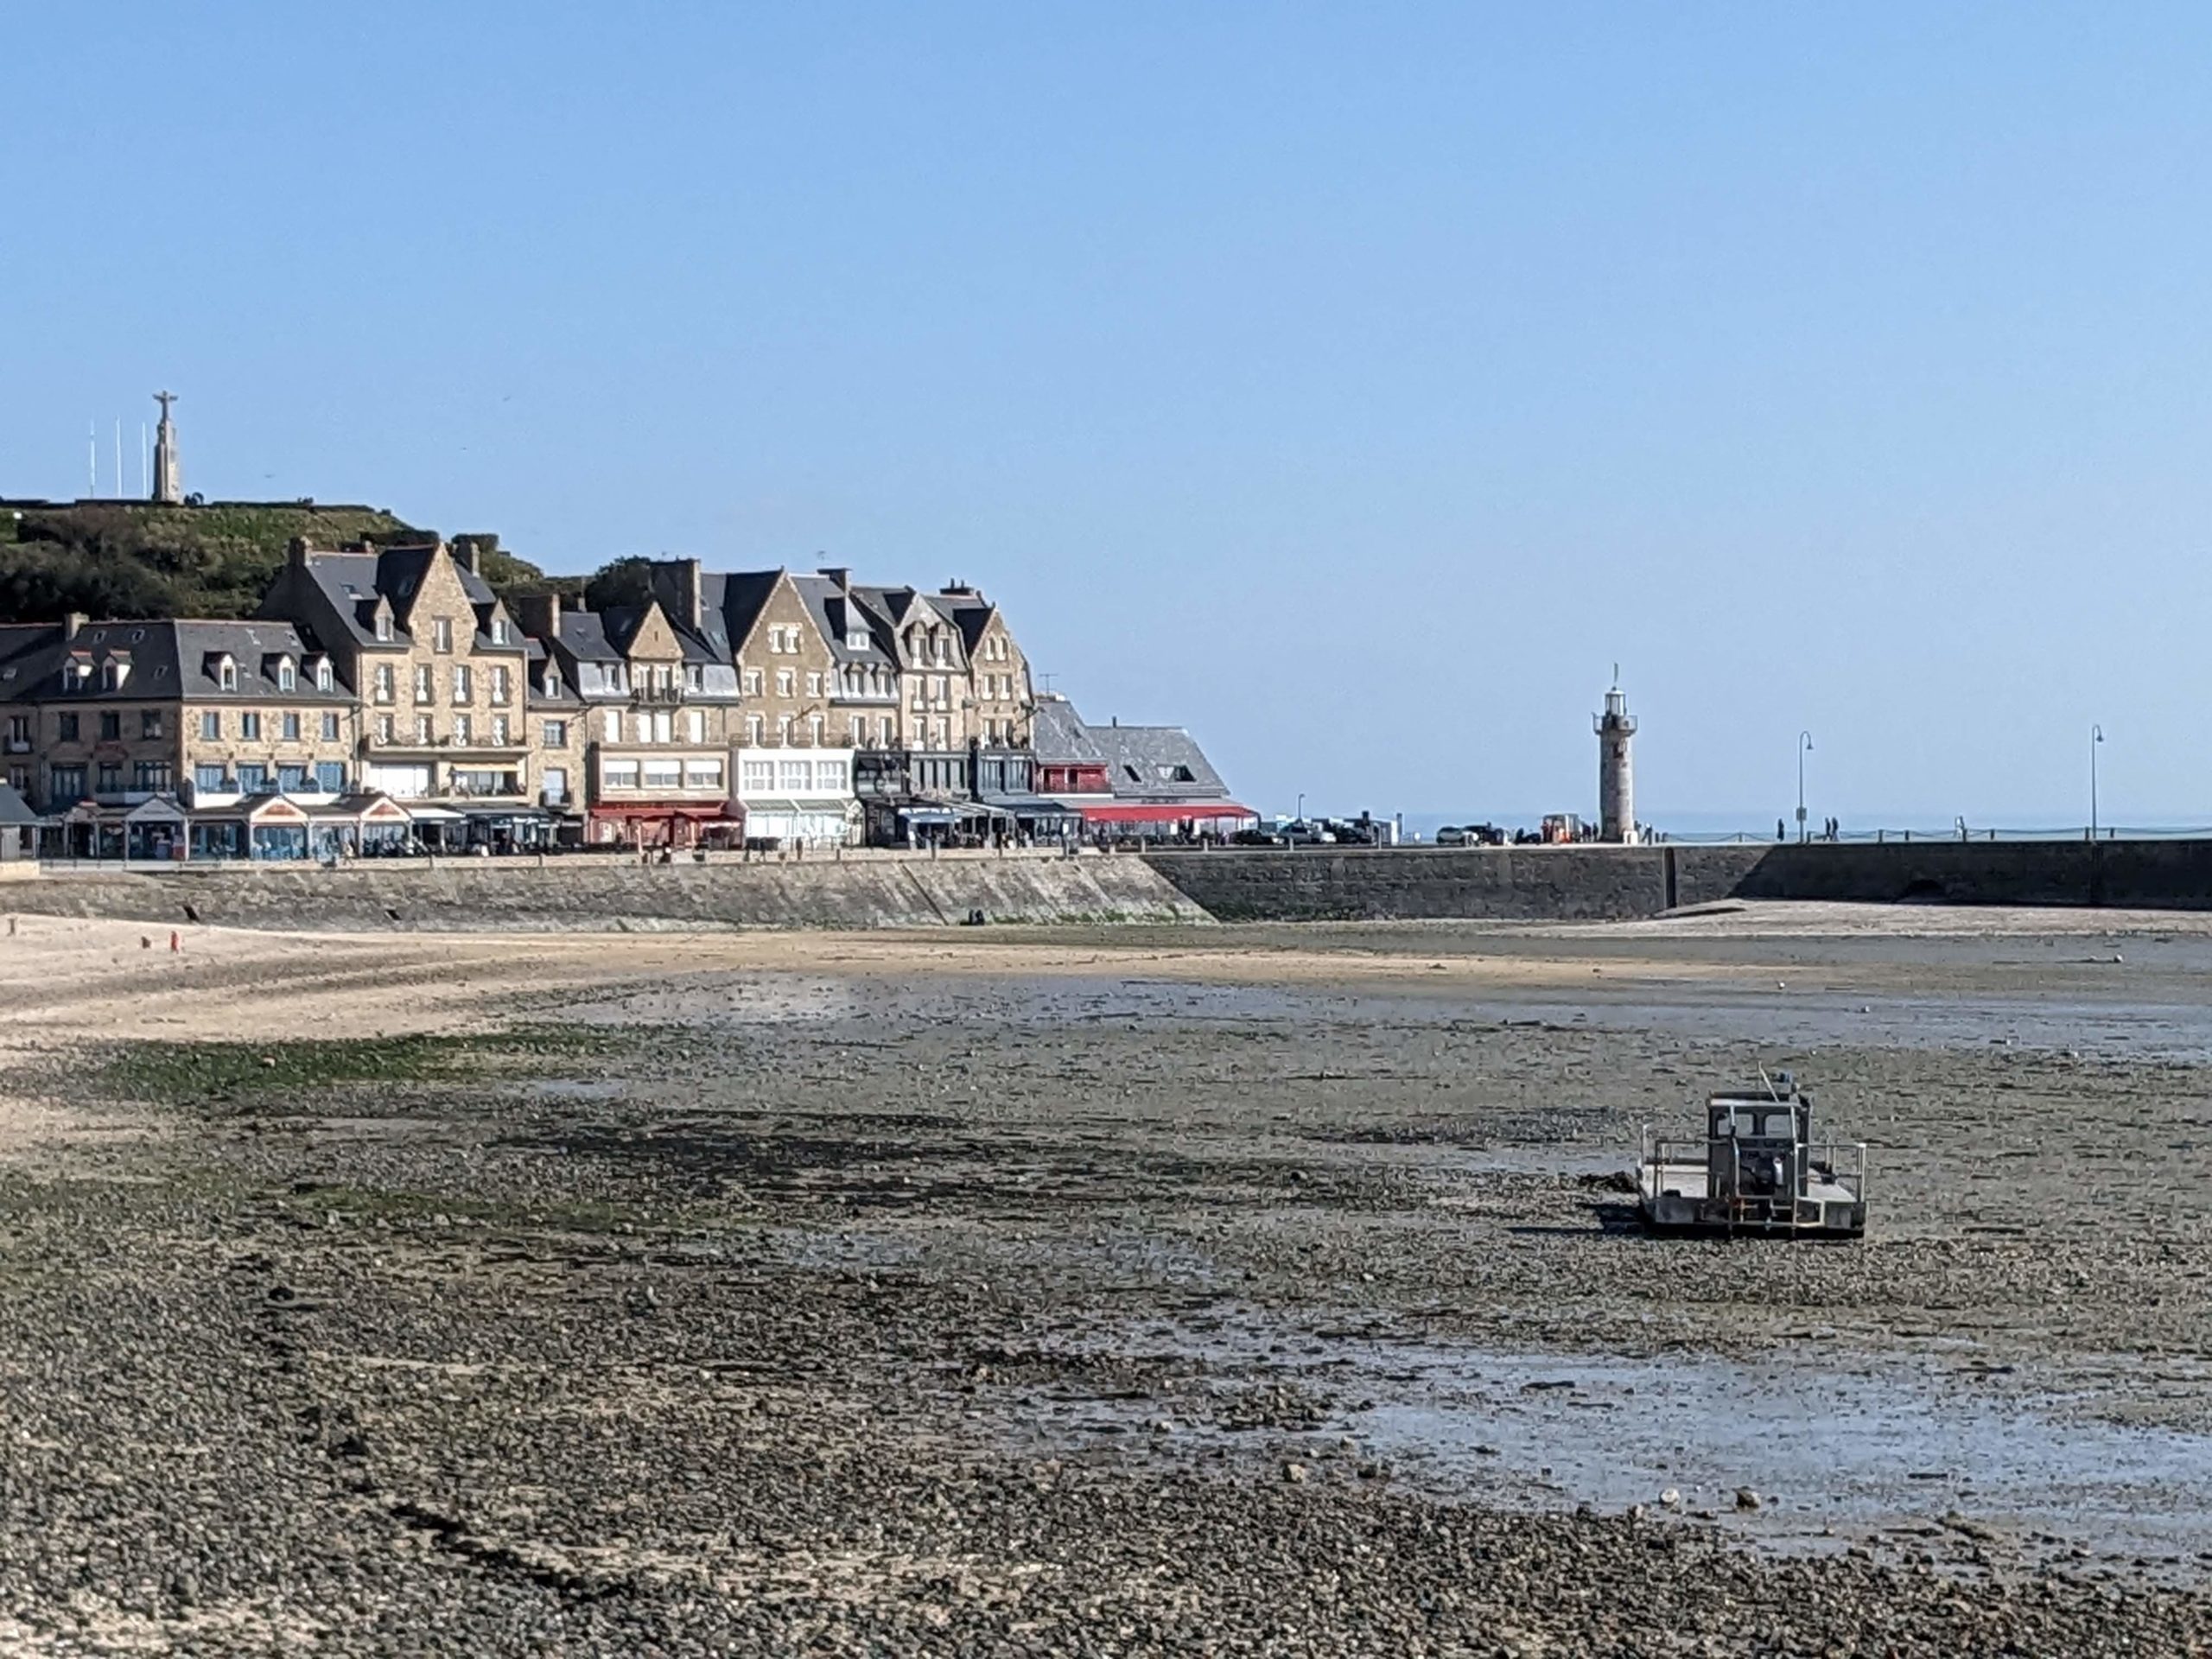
(1300, 833)
(1453, 836)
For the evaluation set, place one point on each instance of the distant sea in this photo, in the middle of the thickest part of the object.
(1749, 826)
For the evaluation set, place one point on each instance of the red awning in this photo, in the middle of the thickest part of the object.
(1176, 812)
(647, 813)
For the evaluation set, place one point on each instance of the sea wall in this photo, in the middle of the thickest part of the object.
(581, 893)
(1583, 883)
(2165, 874)
(1411, 884)
(1611, 883)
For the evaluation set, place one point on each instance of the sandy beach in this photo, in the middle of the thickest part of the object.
(1098, 1290)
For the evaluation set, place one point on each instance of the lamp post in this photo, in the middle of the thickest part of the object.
(1804, 748)
(1301, 806)
(2096, 742)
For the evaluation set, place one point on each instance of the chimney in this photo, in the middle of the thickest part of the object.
(464, 550)
(678, 585)
(73, 623)
(540, 615)
(295, 553)
(841, 575)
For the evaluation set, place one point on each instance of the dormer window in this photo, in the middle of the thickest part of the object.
(324, 680)
(856, 640)
(114, 672)
(287, 676)
(225, 670)
(499, 630)
(77, 671)
(384, 628)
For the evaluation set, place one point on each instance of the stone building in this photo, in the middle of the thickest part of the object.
(794, 772)
(653, 702)
(235, 739)
(1002, 704)
(1132, 783)
(443, 671)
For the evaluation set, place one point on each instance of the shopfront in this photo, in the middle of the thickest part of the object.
(510, 829)
(155, 829)
(789, 822)
(1167, 820)
(365, 825)
(261, 827)
(666, 825)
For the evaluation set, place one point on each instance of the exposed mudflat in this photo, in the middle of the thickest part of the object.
(1222, 1290)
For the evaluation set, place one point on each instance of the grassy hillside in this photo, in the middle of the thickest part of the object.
(130, 558)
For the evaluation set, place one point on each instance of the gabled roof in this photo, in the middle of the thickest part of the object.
(584, 638)
(20, 641)
(970, 613)
(837, 613)
(1059, 737)
(1157, 763)
(606, 636)
(15, 811)
(738, 598)
(354, 581)
(899, 608)
(174, 659)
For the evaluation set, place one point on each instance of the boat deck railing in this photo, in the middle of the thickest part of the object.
(1841, 1163)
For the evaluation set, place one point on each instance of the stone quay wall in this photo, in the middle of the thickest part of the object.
(583, 894)
(1599, 883)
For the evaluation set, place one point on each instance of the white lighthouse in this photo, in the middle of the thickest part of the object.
(1616, 770)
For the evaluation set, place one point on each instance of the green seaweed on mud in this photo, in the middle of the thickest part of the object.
(173, 1072)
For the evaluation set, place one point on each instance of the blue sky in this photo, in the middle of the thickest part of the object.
(1355, 385)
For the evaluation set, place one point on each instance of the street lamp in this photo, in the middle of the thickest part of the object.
(1804, 748)
(2096, 742)
(1301, 806)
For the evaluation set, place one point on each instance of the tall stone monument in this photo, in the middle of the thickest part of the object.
(168, 471)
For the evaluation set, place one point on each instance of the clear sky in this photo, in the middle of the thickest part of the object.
(1353, 384)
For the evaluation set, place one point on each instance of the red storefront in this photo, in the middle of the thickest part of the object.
(1166, 820)
(664, 824)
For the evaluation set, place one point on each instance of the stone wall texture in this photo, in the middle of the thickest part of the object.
(594, 894)
(1602, 883)
(1588, 883)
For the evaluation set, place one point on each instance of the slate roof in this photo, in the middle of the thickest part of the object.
(736, 599)
(1059, 737)
(175, 659)
(584, 637)
(353, 582)
(970, 613)
(15, 811)
(897, 606)
(1157, 763)
(19, 641)
(835, 613)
